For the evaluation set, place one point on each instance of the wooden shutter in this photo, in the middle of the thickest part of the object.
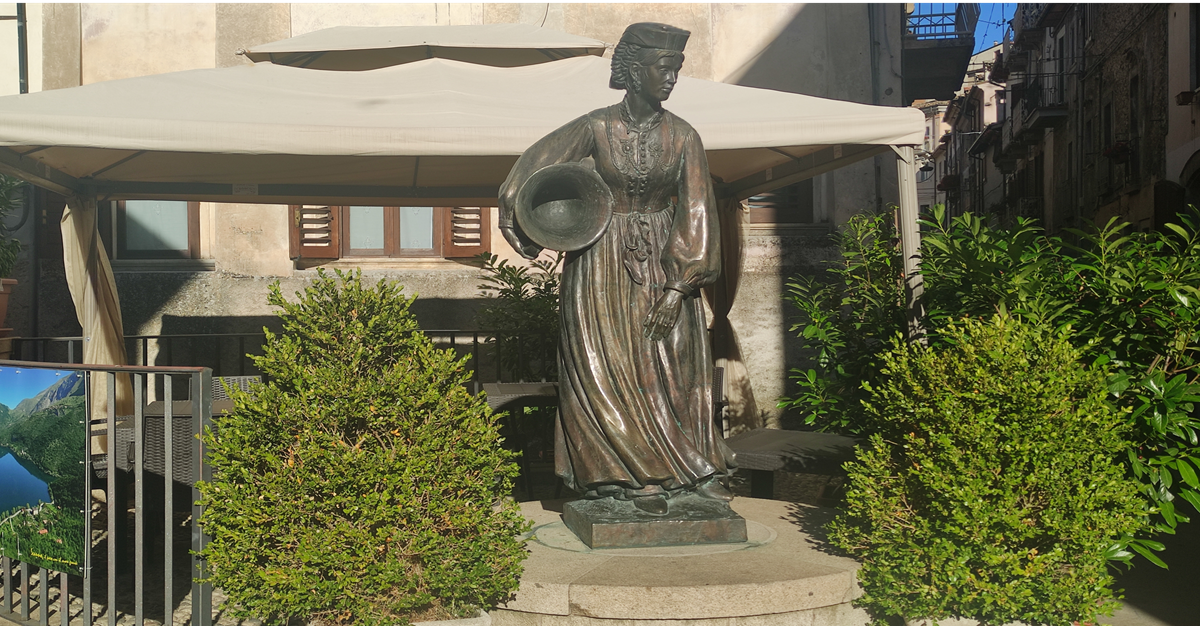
(314, 232)
(466, 231)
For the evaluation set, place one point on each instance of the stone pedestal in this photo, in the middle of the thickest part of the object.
(690, 520)
(780, 575)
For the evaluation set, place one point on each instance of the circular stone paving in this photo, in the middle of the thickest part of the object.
(782, 575)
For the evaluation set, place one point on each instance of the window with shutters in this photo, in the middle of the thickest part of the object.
(335, 232)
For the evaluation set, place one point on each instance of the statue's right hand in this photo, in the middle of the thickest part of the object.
(524, 248)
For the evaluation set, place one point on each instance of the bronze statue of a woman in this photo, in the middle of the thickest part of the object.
(635, 369)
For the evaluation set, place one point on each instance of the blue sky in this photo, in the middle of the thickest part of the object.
(993, 22)
(16, 384)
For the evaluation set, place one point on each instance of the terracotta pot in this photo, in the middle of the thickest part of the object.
(6, 288)
(5, 347)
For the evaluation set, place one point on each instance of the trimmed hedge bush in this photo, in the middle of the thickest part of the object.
(994, 489)
(361, 483)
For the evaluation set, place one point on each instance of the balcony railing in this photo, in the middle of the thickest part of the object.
(942, 21)
(1040, 106)
(1032, 18)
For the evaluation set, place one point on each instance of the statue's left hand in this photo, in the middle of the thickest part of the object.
(663, 316)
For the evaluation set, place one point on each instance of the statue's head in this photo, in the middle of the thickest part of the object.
(643, 45)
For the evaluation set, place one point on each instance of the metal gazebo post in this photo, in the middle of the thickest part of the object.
(910, 238)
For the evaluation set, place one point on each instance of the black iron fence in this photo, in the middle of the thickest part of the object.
(229, 354)
(154, 458)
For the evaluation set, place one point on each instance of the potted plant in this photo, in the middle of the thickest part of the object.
(9, 249)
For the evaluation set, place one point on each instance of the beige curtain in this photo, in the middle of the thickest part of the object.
(727, 351)
(94, 290)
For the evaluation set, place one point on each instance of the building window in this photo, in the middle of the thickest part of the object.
(157, 229)
(792, 204)
(389, 231)
(334, 232)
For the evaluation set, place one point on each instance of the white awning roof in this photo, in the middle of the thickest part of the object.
(431, 129)
(372, 47)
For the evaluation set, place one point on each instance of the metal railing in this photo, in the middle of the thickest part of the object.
(942, 21)
(225, 353)
(136, 448)
(159, 442)
(228, 354)
(1037, 95)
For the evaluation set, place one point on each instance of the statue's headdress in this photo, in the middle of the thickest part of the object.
(641, 36)
(653, 35)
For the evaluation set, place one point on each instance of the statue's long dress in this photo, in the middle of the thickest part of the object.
(636, 413)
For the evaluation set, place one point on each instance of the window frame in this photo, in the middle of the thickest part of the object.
(122, 251)
(391, 236)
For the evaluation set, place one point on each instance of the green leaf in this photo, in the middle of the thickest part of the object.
(1187, 473)
(1117, 383)
(1148, 555)
(1178, 230)
(1192, 497)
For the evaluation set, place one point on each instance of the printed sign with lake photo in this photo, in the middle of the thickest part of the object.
(42, 452)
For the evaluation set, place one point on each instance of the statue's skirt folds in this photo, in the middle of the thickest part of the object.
(634, 413)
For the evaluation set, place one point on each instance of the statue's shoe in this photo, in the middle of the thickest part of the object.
(714, 490)
(654, 505)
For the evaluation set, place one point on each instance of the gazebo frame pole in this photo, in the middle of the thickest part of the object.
(910, 238)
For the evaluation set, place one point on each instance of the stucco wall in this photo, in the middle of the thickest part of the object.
(1183, 122)
(127, 40)
(844, 51)
(760, 315)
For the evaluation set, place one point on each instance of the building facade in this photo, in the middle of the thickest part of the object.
(969, 175)
(206, 267)
(1092, 116)
(932, 153)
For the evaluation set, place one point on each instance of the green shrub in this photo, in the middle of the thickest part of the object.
(1131, 300)
(9, 246)
(361, 483)
(521, 313)
(846, 320)
(993, 489)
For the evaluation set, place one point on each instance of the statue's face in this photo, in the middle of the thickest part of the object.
(657, 79)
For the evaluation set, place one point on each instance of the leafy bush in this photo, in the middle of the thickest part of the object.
(1131, 300)
(521, 313)
(973, 269)
(9, 247)
(361, 483)
(847, 319)
(993, 488)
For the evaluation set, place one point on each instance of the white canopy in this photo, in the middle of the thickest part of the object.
(371, 47)
(441, 131)
(431, 130)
